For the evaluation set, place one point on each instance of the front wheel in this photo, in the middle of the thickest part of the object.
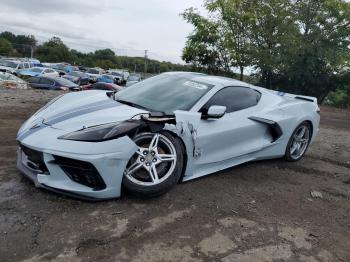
(156, 166)
(299, 142)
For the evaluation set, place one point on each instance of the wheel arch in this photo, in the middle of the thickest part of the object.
(311, 126)
(184, 152)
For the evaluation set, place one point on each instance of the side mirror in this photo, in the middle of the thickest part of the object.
(215, 112)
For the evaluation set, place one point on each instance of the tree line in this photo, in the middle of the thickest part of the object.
(299, 46)
(54, 50)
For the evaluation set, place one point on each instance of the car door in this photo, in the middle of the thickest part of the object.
(46, 83)
(34, 82)
(233, 135)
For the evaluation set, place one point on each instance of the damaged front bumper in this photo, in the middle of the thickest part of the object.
(92, 171)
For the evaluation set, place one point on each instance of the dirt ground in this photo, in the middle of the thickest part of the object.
(262, 211)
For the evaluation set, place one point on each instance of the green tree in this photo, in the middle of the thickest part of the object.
(54, 50)
(321, 53)
(206, 46)
(234, 18)
(272, 30)
(23, 44)
(301, 46)
(5, 47)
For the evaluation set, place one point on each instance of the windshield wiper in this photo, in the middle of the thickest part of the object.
(132, 104)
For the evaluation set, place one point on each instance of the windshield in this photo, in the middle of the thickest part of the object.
(133, 78)
(165, 93)
(10, 64)
(116, 74)
(93, 71)
(77, 74)
(59, 66)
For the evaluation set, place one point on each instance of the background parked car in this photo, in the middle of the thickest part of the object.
(107, 79)
(52, 83)
(133, 79)
(60, 68)
(103, 86)
(35, 71)
(94, 73)
(122, 74)
(83, 68)
(11, 66)
(77, 77)
(8, 80)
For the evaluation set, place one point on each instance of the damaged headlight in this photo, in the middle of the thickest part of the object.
(103, 132)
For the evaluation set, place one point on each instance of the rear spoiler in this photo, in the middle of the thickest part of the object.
(307, 98)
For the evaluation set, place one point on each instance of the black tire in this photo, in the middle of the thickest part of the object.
(288, 156)
(164, 186)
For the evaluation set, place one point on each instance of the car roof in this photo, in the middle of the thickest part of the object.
(212, 80)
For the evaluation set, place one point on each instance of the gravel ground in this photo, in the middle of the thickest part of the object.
(262, 211)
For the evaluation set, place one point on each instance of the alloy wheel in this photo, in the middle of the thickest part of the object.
(153, 162)
(300, 142)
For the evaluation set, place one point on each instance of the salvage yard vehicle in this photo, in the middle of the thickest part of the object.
(52, 83)
(169, 128)
(10, 81)
(105, 79)
(133, 79)
(11, 66)
(77, 77)
(103, 86)
(36, 71)
(94, 73)
(121, 74)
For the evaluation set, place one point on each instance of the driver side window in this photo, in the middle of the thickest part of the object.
(235, 98)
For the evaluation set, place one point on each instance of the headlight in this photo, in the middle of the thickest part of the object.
(103, 132)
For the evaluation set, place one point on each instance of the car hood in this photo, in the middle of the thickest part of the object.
(77, 110)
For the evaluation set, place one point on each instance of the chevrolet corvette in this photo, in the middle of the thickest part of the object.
(170, 128)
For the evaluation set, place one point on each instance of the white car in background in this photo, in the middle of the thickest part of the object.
(133, 79)
(11, 66)
(122, 74)
(94, 73)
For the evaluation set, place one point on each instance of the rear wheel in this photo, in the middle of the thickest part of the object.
(299, 142)
(156, 166)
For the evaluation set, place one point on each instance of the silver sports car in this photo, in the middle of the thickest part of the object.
(169, 128)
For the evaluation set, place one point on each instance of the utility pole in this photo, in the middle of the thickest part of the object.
(31, 51)
(144, 76)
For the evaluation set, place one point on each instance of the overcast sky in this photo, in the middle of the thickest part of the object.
(126, 26)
